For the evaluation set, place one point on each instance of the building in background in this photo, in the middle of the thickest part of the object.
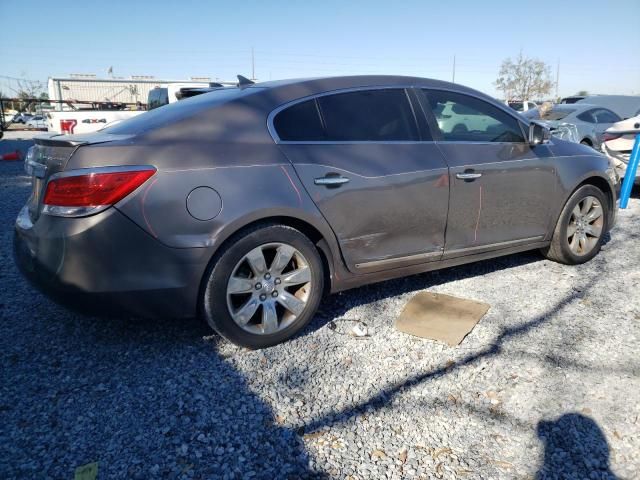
(89, 88)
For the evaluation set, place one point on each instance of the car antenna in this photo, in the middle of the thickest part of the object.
(244, 81)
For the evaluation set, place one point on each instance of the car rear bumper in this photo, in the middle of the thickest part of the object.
(105, 264)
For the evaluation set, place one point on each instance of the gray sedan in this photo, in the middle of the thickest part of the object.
(590, 120)
(245, 205)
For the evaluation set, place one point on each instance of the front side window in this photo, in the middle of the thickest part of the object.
(462, 118)
(369, 115)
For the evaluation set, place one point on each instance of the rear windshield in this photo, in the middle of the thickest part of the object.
(518, 106)
(176, 112)
(556, 114)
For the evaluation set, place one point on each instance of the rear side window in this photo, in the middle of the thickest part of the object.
(587, 116)
(606, 116)
(370, 115)
(300, 122)
(462, 118)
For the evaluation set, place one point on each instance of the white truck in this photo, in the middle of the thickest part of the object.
(86, 121)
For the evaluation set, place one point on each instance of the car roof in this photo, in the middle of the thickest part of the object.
(301, 87)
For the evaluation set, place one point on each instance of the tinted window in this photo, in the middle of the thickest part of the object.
(371, 115)
(587, 116)
(301, 122)
(157, 98)
(467, 119)
(557, 113)
(606, 116)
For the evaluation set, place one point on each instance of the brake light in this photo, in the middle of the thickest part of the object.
(610, 136)
(67, 126)
(84, 194)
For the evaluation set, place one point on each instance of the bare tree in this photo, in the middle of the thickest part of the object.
(524, 78)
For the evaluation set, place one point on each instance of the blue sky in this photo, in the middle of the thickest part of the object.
(595, 42)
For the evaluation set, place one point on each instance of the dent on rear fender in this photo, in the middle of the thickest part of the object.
(247, 193)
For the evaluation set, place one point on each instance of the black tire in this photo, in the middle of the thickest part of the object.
(559, 249)
(214, 300)
(587, 143)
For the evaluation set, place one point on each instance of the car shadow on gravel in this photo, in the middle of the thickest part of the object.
(144, 399)
(336, 305)
(386, 395)
(574, 447)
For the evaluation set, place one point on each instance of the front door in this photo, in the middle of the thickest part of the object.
(501, 187)
(383, 191)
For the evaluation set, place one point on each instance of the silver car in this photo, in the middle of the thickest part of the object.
(590, 120)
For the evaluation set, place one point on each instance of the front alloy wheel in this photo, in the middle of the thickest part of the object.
(585, 226)
(581, 227)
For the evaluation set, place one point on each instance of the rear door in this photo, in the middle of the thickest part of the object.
(501, 187)
(380, 184)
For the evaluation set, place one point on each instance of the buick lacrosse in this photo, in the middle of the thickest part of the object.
(245, 205)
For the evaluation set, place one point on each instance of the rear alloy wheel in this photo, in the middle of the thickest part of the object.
(264, 299)
(579, 233)
(264, 287)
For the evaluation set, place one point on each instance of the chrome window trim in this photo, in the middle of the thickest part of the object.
(315, 96)
(406, 258)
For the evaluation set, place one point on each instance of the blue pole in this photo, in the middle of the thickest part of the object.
(630, 174)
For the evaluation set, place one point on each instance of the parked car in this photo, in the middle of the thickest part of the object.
(173, 92)
(618, 143)
(22, 117)
(572, 99)
(248, 204)
(37, 121)
(522, 106)
(589, 120)
(625, 106)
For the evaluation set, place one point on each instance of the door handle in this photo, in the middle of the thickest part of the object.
(331, 180)
(468, 176)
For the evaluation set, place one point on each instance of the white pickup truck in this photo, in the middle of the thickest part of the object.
(86, 121)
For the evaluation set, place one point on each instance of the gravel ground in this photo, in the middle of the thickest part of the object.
(546, 386)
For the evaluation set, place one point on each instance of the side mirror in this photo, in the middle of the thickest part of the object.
(538, 134)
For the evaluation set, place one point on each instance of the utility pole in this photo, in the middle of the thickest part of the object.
(557, 78)
(453, 79)
(253, 65)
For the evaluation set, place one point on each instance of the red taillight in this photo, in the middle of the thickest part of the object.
(610, 136)
(67, 126)
(94, 189)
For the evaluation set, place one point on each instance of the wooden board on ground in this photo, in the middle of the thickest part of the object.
(440, 317)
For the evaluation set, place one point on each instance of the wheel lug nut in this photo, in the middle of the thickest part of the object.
(277, 281)
(267, 276)
(263, 297)
(258, 286)
(274, 294)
